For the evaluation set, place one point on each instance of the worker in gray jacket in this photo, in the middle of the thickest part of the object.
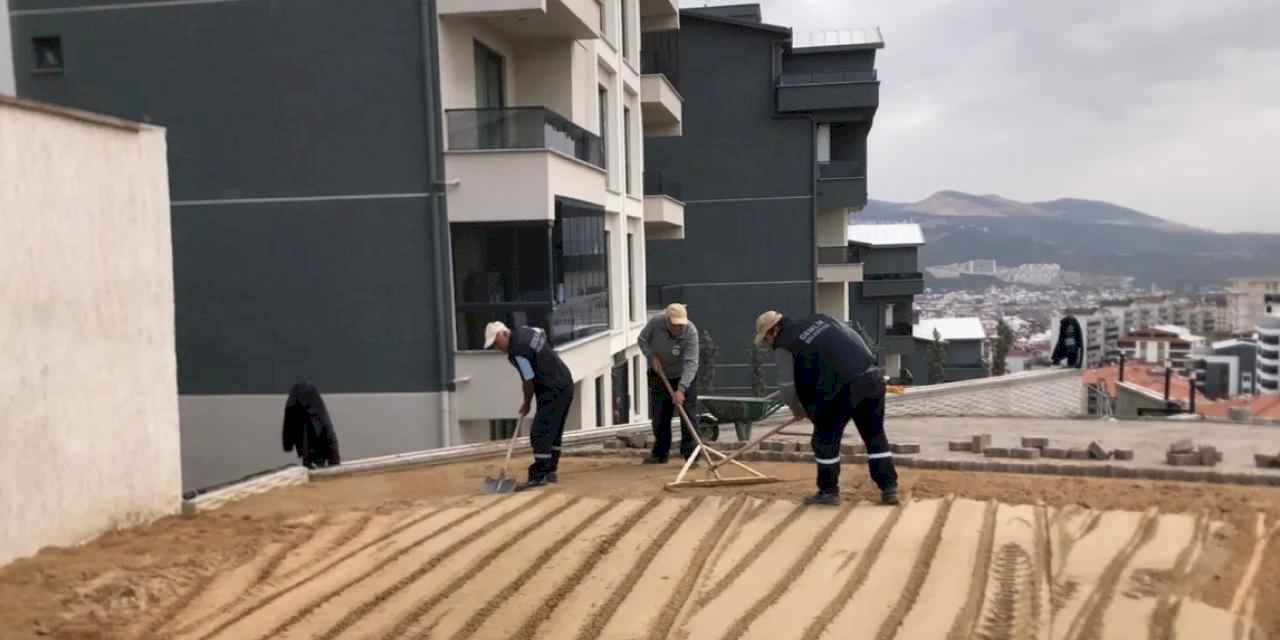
(670, 343)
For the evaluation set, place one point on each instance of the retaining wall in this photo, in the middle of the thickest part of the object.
(1050, 393)
(88, 385)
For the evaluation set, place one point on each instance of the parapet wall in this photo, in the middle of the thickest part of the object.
(1050, 393)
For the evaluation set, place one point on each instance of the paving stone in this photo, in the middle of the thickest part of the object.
(1122, 454)
(1024, 453)
(996, 452)
(1209, 456)
(775, 456)
(1183, 459)
(1265, 461)
(1055, 453)
(804, 447)
(1078, 454)
(905, 448)
(1184, 445)
(1035, 442)
(796, 456)
(1096, 451)
(980, 442)
(960, 445)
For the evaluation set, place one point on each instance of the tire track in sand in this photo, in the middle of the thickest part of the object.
(239, 572)
(869, 608)
(1166, 610)
(210, 628)
(1151, 571)
(827, 570)
(787, 579)
(1115, 541)
(528, 609)
(601, 617)
(919, 572)
(966, 621)
(324, 544)
(1010, 610)
(783, 515)
(297, 603)
(866, 561)
(404, 625)
(541, 561)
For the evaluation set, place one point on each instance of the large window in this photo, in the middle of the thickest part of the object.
(490, 93)
(631, 277)
(581, 271)
(604, 125)
(626, 147)
(626, 30)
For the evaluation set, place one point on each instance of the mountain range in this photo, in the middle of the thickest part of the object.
(1081, 235)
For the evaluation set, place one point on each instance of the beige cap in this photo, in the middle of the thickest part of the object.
(491, 332)
(677, 314)
(764, 323)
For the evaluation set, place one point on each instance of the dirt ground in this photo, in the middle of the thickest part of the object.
(1096, 558)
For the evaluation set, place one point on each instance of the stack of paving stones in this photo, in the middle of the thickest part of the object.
(1267, 462)
(1185, 453)
(1035, 447)
(975, 444)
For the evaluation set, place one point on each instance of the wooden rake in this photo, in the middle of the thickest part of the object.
(707, 452)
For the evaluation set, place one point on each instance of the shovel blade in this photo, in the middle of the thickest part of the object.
(499, 485)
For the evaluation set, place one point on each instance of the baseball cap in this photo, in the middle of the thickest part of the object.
(677, 314)
(764, 323)
(491, 332)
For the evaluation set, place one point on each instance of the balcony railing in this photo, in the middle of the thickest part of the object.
(571, 320)
(900, 329)
(839, 255)
(842, 170)
(845, 77)
(895, 276)
(521, 128)
(657, 183)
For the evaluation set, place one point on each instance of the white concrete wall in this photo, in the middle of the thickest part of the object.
(7, 86)
(89, 434)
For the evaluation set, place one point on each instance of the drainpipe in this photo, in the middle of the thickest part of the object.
(438, 219)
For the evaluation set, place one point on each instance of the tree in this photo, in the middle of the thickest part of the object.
(937, 359)
(758, 357)
(708, 353)
(1004, 341)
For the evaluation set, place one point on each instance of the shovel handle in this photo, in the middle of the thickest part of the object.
(754, 443)
(511, 444)
(693, 427)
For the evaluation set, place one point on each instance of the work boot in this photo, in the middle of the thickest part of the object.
(654, 460)
(534, 483)
(824, 499)
(553, 478)
(889, 495)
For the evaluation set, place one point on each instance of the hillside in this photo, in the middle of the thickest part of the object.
(1081, 235)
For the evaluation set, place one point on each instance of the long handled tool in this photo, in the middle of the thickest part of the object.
(504, 483)
(707, 452)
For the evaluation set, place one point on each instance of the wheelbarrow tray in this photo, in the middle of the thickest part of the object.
(740, 409)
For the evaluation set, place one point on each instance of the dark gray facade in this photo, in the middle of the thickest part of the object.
(749, 174)
(883, 304)
(310, 234)
(1213, 378)
(963, 362)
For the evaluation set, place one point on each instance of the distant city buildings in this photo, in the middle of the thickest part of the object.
(1269, 346)
(1246, 300)
(1165, 345)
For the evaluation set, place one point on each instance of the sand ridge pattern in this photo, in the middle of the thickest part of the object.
(543, 565)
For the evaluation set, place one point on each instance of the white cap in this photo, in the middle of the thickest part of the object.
(491, 332)
(677, 314)
(764, 323)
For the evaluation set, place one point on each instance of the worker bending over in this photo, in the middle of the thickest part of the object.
(835, 378)
(544, 375)
(670, 343)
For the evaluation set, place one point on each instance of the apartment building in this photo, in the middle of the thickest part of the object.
(1226, 369)
(1166, 345)
(1246, 301)
(351, 203)
(1269, 346)
(883, 304)
(772, 162)
(968, 350)
(546, 117)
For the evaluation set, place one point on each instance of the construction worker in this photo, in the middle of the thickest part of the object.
(544, 375)
(835, 378)
(670, 343)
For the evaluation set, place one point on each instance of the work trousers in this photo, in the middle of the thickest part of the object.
(662, 408)
(548, 431)
(868, 415)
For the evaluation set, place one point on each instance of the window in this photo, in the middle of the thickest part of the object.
(500, 272)
(604, 125)
(490, 73)
(621, 389)
(581, 271)
(501, 429)
(631, 277)
(888, 316)
(604, 18)
(48, 52)
(626, 147)
(635, 377)
(626, 30)
(600, 402)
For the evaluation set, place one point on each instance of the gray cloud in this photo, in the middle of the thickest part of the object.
(1168, 106)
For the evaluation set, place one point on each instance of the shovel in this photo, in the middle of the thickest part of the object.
(504, 483)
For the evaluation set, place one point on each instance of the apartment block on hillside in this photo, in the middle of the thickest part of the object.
(967, 350)
(1163, 345)
(883, 303)
(351, 205)
(772, 162)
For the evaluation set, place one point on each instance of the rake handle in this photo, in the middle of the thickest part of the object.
(755, 443)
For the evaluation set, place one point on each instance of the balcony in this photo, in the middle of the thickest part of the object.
(842, 185)
(839, 264)
(662, 106)
(883, 285)
(531, 19)
(838, 91)
(898, 338)
(663, 207)
(659, 15)
(511, 164)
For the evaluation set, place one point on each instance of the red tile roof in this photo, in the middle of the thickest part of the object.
(1148, 376)
(1259, 407)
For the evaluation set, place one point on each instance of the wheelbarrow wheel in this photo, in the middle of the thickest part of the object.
(709, 430)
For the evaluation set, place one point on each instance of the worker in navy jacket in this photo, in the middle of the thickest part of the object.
(544, 375)
(835, 378)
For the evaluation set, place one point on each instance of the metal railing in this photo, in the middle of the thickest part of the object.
(657, 183)
(839, 255)
(521, 128)
(842, 169)
(840, 77)
(894, 276)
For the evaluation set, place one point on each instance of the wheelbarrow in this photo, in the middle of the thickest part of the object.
(742, 412)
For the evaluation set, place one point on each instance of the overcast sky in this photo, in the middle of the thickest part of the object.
(1171, 107)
